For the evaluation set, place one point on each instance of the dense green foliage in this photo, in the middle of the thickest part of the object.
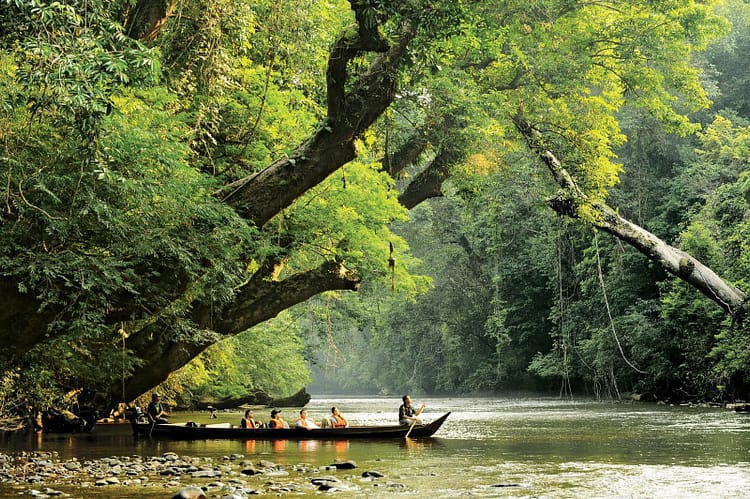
(524, 300)
(118, 233)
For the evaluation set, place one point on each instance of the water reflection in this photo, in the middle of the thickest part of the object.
(542, 447)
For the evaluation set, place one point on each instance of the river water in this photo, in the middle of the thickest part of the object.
(488, 447)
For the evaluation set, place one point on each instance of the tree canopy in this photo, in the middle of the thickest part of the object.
(180, 172)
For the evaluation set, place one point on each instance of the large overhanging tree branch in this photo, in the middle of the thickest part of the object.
(428, 183)
(260, 196)
(355, 101)
(571, 198)
(262, 298)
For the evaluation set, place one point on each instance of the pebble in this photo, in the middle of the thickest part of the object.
(44, 475)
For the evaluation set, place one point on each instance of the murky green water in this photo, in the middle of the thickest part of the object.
(491, 447)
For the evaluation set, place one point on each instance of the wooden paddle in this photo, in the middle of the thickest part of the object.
(415, 421)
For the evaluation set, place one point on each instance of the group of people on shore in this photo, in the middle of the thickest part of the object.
(407, 415)
(335, 420)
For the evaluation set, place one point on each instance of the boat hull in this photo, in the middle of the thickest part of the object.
(187, 431)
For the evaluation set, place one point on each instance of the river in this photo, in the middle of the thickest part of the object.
(488, 447)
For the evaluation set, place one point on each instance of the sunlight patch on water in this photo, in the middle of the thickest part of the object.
(593, 480)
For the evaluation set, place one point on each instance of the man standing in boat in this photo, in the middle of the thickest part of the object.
(407, 414)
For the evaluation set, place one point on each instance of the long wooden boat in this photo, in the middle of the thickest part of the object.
(193, 431)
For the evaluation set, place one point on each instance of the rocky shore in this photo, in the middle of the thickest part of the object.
(42, 474)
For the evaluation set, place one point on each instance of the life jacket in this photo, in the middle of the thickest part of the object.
(305, 423)
(276, 423)
(338, 421)
(248, 423)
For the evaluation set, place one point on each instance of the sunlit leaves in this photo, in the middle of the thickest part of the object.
(348, 217)
(571, 67)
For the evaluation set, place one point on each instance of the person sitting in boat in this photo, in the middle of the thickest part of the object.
(336, 420)
(276, 421)
(155, 411)
(303, 422)
(249, 420)
(407, 414)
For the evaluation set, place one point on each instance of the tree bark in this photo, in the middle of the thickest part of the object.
(395, 163)
(147, 18)
(259, 300)
(429, 182)
(675, 261)
(260, 196)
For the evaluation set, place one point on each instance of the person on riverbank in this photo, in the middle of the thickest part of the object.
(155, 411)
(248, 421)
(276, 421)
(304, 422)
(407, 414)
(336, 419)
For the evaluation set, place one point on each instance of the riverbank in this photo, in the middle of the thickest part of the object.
(43, 474)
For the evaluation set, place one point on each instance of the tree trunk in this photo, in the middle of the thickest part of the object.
(429, 182)
(259, 300)
(675, 261)
(147, 17)
(260, 196)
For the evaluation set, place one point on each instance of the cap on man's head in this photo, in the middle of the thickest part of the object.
(275, 412)
(154, 395)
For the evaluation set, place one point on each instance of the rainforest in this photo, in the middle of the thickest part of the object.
(440, 197)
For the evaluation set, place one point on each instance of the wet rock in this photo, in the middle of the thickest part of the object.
(190, 493)
(372, 474)
(250, 471)
(72, 465)
(322, 480)
(345, 465)
(277, 473)
(205, 474)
